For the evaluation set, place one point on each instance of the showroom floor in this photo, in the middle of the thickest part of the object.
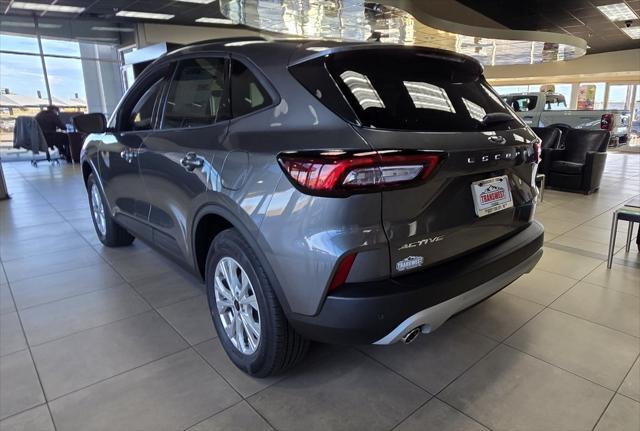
(120, 339)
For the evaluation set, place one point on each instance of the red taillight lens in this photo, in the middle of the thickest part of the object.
(606, 122)
(335, 173)
(342, 272)
(537, 151)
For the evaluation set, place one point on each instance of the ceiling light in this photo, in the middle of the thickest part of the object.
(618, 12)
(198, 1)
(632, 32)
(215, 21)
(122, 29)
(143, 15)
(29, 24)
(46, 7)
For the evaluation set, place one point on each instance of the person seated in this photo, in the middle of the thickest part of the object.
(50, 122)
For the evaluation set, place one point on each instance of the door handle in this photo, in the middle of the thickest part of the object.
(191, 161)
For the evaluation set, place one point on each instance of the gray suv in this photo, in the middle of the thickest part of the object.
(342, 192)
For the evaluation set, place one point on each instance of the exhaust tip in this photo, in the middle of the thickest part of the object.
(411, 335)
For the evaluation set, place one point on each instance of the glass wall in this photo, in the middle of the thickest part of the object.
(77, 68)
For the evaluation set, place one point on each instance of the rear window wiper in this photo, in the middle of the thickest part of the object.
(495, 118)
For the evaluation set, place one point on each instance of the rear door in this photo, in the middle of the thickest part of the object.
(482, 189)
(180, 159)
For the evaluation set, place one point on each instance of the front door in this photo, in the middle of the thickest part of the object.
(118, 161)
(178, 159)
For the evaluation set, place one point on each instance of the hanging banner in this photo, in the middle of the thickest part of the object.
(586, 97)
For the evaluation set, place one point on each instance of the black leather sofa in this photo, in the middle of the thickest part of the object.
(580, 164)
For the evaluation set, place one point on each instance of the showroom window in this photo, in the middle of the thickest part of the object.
(619, 96)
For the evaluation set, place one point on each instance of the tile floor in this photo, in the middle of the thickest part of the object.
(120, 339)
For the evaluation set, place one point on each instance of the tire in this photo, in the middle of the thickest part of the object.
(109, 232)
(278, 346)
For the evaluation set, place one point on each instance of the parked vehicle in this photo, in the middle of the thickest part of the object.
(549, 110)
(322, 194)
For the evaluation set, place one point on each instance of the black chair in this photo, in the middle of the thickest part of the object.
(580, 164)
(550, 137)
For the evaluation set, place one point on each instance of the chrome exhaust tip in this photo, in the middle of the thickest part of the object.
(411, 335)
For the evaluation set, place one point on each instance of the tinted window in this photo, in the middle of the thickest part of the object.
(411, 90)
(522, 103)
(247, 94)
(141, 116)
(195, 94)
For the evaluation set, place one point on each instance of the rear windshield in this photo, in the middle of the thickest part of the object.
(413, 91)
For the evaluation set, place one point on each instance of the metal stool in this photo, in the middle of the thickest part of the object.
(626, 213)
(542, 179)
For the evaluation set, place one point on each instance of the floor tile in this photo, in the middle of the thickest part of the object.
(343, 391)
(631, 385)
(246, 385)
(36, 419)
(607, 307)
(76, 361)
(34, 247)
(20, 389)
(57, 319)
(61, 285)
(50, 263)
(509, 390)
(170, 394)
(191, 318)
(619, 277)
(11, 336)
(143, 266)
(432, 361)
(436, 415)
(623, 414)
(540, 286)
(240, 417)
(592, 351)
(165, 289)
(499, 316)
(46, 230)
(570, 265)
(6, 301)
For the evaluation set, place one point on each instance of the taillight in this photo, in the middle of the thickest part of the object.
(606, 122)
(537, 151)
(340, 173)
(342, 272)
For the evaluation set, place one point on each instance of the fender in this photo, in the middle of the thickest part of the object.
(254, 242)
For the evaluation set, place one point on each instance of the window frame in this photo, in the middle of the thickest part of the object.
(224, 103)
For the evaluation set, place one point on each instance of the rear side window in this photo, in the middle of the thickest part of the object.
(247, 94)
(196, 93)
(413, 90)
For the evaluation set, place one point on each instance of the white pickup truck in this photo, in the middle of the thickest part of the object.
(550, 109)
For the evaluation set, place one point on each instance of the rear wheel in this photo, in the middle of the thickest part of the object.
(246, 313)
(109, 232)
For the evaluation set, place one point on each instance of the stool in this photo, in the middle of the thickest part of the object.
(542, 179)
(629, 214)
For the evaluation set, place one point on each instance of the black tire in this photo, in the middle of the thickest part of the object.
(279, 347)
(114, 234)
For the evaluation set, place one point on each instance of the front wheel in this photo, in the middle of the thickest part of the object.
(246, 313)
(109, 232)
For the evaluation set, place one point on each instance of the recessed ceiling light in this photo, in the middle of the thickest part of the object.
(215, 20)
(198, 1)
(122, 29)
(618, 12)
(143, 15)
(46, 7)
(632, 32)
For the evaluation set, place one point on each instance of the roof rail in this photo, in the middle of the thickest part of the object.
(230, 39)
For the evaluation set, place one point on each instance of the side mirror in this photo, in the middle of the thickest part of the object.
(90, 123)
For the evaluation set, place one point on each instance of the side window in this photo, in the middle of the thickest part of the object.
(195, 94)
(247, 94)
(141, 116)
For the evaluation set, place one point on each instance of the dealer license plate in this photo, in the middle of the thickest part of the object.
(491, 195)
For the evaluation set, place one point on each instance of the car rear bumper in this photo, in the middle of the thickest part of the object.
(382, 312)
